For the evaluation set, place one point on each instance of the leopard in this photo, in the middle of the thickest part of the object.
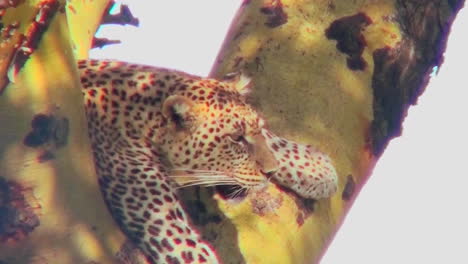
(153, 130)
(302, 168)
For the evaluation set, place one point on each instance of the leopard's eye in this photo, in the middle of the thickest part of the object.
(238, 139)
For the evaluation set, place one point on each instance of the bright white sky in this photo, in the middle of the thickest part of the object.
(414, 208)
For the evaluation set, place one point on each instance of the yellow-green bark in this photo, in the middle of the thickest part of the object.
(309, 93)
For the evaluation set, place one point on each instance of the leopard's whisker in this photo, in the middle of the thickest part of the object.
(214, 178)
(207, 181)
(195, 177)
(232, 195)
(237, 192)
(210, 180)
(195, 170)
(205, 184)
(203, 180)
(200, 176)
(189, 169)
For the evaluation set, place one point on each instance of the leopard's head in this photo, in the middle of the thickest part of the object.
(213, 137)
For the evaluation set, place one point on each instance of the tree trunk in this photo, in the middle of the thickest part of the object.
(339, 75)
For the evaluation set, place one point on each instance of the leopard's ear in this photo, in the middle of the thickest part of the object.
(240, 81)
(177, 109)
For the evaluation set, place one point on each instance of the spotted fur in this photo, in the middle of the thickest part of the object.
(151, 127)
(302, 168)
